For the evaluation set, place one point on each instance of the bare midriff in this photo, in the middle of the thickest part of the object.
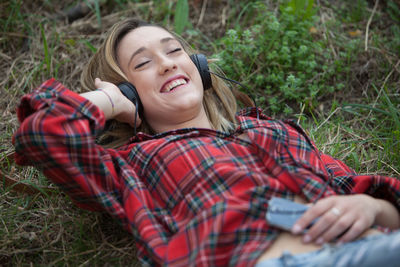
(287, 241)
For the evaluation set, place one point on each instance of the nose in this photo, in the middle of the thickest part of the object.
(166, 64)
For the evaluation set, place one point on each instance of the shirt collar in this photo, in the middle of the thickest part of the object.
(246, 118)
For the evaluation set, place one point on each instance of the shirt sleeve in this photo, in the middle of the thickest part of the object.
(293, 158)
(346, 181)
(350, 182)
(57, 135)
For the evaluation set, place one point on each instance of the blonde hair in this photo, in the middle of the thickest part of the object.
(219, 101)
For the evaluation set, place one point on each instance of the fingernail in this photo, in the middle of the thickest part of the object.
(319, 241)
(296, 229)
(306, 238)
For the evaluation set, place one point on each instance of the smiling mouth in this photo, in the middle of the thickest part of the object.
(173, 85)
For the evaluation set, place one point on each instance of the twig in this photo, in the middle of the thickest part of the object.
(5, 56)
(223, 16)
(391, 63)
(5, 226)
(388, 165)
(361, 138)
(88, 260)
(203, 10)
(301, 113)
(63, 258)
(368, 23)
(14, 34)
(330, 115)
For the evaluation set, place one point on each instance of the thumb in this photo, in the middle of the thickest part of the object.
(97, 82)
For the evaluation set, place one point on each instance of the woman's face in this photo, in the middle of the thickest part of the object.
(168, 82)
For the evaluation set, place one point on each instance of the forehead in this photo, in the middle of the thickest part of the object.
(144, 36)
(137, 40)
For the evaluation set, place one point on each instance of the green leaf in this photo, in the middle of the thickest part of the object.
(97, 11)
(95, 6)
(366, 107)
(89, 45)
(310, 11)
(181, 16)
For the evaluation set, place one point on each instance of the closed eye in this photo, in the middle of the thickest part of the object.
(170, 52)
(175, 50)
(141, 64)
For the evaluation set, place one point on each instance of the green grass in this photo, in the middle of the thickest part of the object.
(353, 113)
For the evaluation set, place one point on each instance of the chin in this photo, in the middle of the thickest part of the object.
(189, 104)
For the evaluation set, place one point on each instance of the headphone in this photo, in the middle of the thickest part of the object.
(129, 90)
(200, 61)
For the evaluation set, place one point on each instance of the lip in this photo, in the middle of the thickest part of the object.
(179, 76)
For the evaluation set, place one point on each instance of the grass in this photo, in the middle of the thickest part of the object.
(359, 124)
(50, 231)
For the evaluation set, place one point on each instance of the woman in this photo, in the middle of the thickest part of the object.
(193, 186)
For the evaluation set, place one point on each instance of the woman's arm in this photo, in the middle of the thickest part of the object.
(112, 102)
(388, 215)
(346, 217)
(57, 135)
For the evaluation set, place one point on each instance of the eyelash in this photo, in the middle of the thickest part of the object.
(175, 50)
(142, 64)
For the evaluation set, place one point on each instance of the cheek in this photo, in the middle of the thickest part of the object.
(142, 83)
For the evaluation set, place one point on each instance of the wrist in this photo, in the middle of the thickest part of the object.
(110, 100)
(387, 215)
(105, 100)
(378, 208)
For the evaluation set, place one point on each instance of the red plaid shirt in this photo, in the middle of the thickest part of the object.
(191, 197)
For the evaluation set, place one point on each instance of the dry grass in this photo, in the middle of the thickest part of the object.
(51, 231)
(46, 229)
(42, 229)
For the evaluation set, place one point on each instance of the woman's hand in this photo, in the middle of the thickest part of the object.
(113, 103)
(345, 218)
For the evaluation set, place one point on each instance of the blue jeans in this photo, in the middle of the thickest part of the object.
(382, 250)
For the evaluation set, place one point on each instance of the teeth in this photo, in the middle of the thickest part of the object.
(174, 84)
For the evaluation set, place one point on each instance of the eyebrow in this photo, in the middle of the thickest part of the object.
(140, 50)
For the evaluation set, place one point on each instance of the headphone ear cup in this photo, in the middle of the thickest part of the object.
(129, 91)
(201, 63)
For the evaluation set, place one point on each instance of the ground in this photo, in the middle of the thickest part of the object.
(39, 41)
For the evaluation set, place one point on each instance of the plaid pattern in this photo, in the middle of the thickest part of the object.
(191, 197)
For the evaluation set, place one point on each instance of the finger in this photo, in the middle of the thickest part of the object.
(314, 212)
(128, 115)
(355, 231)
(321, 226)
(132, 115)
(97, 82)
(339, 227)
(138, 122)
(131, 122)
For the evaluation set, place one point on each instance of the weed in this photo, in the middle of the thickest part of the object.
(279, 57)
(181, 18)
(297, 56)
